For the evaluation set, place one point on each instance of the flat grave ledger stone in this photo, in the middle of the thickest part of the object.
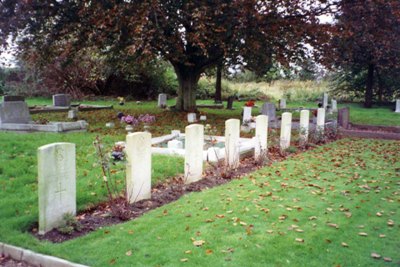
(162, 100)
(397, 106)
(14, 112)
(61, 100)
(56, 184)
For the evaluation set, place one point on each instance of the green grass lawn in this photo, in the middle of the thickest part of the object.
(323, 198)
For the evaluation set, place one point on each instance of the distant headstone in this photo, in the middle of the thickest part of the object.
(14, 112)
(229, 103)
(282, 103)
(191, 117)
(13, 98)
(334, 105)
(175, 144)
(203, 117)
(286, 128)
(56, 184)
(110, 125)
(397, 106)
(325, 100)
(162, 100)
(61, 100)
(260, 144)
(72, 114)
(246, 115)
(194, 143)
(269, 110)
(138, 167)
(304, 126)
(232, 135)
(344, 117)
(320, 122)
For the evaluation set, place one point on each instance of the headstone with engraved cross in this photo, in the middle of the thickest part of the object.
(57, 184)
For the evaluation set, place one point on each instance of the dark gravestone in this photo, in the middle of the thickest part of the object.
(229, 104)
(61, 100)
(344, 117)
(12, 98)
(269, 109)
(14, 112)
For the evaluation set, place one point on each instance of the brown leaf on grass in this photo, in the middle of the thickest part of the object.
(220, 216)
(390, 223)
(299, 230)
(199, 243)
(128, 253)
(345, 245)
(209, 220)
(387, 259)
(229, 250)
(362, 234)
(334, 225)
(375, 255)
(378, 214)
(165, 212)
(348, 214)
(209, 251)
(312, 218)
(184, 260)
(188, 252)
(382, 235)
(300, 240)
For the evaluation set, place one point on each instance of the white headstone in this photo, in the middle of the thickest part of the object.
(191, 117)
(286, 128)
(72, 114)
(56, 184)
(304, 124)
(162, 100)
(397, 106)
(246, 114)
(138, 167)
(325, 100)
(282, 103)
(214, 154)
(260, 144)
(334, 105)
(320, 122)
(194, 143)
(232, 135)
(203, 117)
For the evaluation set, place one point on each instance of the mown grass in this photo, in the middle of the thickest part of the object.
(324, 198)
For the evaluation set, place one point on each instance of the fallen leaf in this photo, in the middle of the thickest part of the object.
(345, 245)
(378, 214)
(299, 230)
(188, 252)
(220, 216)
(390, 223)
(270, 231)
(375, 255)
(199, 243)
(334, 225)
(130, 232)
(312, 218)
(387, 259)
(300, 240)
(128, 253)
(382, 235)
(209, 220)
(209, 251)
(184, 260)
(362, 234)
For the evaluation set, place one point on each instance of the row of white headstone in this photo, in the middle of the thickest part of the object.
(57, 166)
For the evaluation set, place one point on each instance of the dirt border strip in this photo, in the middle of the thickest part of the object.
(33, 258)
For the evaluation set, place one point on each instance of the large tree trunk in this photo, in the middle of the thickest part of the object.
(188, 77)
(218, 85)
(369, 87)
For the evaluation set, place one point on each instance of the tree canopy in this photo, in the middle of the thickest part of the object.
(191, 35)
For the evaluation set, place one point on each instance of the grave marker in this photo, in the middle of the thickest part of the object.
(56, 184)
(334, 105)
(232, 135)
(260, 144)
(286, 128)
(344, 117)
(246, 115)
(320, 122)
(325, 100)
(194, 143)
(138, 167)
(61, 100)
(162, 100)
(397, 106)
(282, 103)
(269, 110)
(14, 112)
(191, 117)
(304, 124)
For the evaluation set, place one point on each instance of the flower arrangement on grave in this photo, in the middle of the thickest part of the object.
(147, 119)
(121, 100)
(131, 120)
(249, 103)
(117, 153)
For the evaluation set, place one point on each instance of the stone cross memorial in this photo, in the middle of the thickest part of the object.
(304, 125)
(260, 139)
(56, 184)
(162, 100)
(138, 167)
(194, 143)
(397, 106)
(286, 128)
(232, 135)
